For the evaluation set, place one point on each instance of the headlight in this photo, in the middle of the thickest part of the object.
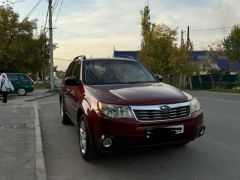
(195, 105)
(115, 111)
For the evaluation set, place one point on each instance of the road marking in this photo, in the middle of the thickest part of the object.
(40, 163)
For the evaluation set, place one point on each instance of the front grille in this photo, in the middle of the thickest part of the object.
(155, 114)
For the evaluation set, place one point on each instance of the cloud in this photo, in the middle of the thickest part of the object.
(93, 27)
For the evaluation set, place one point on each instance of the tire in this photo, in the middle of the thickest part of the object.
(88, 151)
(64, 118)
(21, 91)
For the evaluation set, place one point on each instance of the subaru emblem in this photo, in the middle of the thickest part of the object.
(165, 108)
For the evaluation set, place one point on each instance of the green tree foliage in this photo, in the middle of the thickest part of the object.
(157, 44)
(231, 45)
(159, 50)
(181, 62)
(21, 50)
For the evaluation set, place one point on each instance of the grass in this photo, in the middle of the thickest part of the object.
(41, 86)
(46, 86)
(222, 90)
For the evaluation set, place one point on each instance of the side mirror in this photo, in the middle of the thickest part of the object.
(71, 81)
(159, 78)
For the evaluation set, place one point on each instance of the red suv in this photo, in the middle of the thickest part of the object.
(118, 102)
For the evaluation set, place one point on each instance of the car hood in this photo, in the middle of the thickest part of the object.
(137, 94)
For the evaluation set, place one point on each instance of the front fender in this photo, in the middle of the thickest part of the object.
(89, 110)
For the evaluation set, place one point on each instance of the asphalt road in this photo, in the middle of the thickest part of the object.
(216, 155)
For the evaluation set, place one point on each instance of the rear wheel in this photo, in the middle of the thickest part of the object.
(88, 150)
(63, 115)
(21, 91)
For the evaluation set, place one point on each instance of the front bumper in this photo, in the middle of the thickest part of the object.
(133, 133)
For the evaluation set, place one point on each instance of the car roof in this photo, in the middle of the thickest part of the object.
(109, 59)
(14, 73)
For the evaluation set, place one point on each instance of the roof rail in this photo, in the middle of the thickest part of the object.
(126, 56)
(82, 57)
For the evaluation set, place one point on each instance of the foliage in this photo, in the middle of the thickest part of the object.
(218, 53)
(20, 49)
(181, 62)
(157, 44)
(231, 45)
(159, 50)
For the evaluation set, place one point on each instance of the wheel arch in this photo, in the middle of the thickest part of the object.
(83, 110)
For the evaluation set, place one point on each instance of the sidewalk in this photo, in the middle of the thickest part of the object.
(17, 138)
(17, 142)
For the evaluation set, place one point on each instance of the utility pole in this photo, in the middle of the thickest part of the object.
(188, 38)
(182, 40)
(189, 48)
(51, 45)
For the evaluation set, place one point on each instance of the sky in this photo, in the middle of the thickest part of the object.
(95, 27)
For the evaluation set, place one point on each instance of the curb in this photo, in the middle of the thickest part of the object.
(223, 93)
(40, 170)
(41, 97)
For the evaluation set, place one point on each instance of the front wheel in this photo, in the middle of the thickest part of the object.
(64, 117)
(88, 150)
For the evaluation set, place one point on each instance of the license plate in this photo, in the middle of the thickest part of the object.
(178, 129)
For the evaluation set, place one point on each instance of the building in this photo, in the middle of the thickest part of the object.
(197, 56)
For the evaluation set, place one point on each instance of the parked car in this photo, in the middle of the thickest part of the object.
(22, 83)
(119, 103)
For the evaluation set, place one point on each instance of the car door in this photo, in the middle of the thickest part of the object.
(76, 92)
(24, 81)
(67, 91)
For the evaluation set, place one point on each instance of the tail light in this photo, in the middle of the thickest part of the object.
(30, 79)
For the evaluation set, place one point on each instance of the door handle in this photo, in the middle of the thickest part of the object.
(67, 91)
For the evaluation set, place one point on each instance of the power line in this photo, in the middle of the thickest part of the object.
(34, 7)
(17, 1)
(210, 29)
(8, 3)
(58, 13)
(45, 24)
(216, 42)
(55, 5)
(60, 59)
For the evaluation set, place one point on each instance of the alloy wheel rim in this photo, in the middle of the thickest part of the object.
(83, 138)
(21, 91)
(61, 111)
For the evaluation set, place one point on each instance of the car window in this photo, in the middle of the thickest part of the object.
(76, 71)
(23, 77)
(102, 72)
(70, 69)
(13, 77)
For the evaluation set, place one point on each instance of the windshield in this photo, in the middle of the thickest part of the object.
(100, 72)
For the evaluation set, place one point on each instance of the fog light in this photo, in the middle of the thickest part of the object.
(107, 142)
(202, 130)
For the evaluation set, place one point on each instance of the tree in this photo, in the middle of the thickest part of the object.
(182, 65)
(159, 50)
(21, 50)
(158, 41)
(231, 45)
(218, 53)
